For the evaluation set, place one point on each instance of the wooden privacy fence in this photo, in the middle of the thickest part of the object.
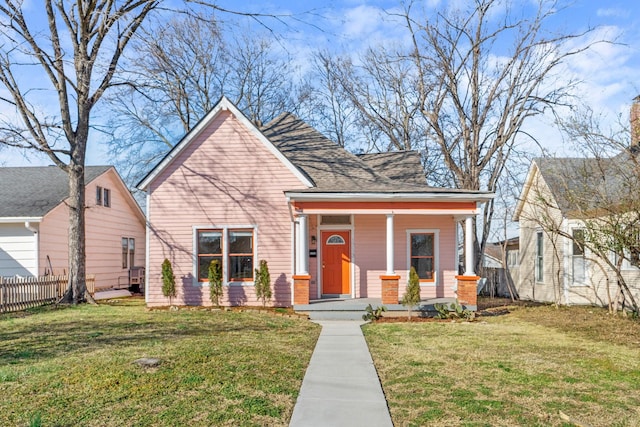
(27, 292)
(500, 282)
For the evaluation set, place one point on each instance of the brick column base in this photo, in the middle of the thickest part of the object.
(301, 289)
(390, 289)
(468, 291)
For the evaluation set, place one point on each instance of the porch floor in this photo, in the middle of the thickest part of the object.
(354, 308)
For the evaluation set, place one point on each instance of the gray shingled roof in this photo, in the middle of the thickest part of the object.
(581, 185)
(332, 168)
(34, 191)
(404, 166)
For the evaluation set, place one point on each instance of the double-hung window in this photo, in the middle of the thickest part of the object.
(209, 249)
(539, 257)
(128, 252)
(103, 197)
(233, 248)
(422, 254)
(578, 260)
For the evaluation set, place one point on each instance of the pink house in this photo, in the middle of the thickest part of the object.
(34, 224)
(329, 223)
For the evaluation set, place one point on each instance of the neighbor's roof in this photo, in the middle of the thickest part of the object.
(580, 186)
(33, 191)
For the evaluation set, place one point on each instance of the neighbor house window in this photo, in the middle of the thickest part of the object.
(103, 197)
(128, 252)
(234, 248)
(422, 254)
(539, 257)
(209, 249)
(512, 258)
(578, 261)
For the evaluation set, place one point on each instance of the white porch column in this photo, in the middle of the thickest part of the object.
(468, 247)
(302, 246)
(390, 270)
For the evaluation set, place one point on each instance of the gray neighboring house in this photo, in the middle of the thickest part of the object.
(34, 223)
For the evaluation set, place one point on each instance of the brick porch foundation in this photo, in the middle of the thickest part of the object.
(301, 289)
(390, 289)
(468, 291)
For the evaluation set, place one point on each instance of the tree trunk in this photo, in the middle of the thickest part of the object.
(77, 286)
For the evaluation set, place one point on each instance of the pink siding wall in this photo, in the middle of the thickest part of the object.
(370, 256)
(105, 226)
(224, 177)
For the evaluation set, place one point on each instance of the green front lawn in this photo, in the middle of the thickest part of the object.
(533, 367)
(74, 366)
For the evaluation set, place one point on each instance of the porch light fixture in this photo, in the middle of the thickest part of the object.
(313, 240)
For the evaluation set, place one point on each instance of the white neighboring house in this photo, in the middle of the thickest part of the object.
(34, 223)
(554, 268)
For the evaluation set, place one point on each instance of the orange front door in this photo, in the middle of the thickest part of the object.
(336, 261)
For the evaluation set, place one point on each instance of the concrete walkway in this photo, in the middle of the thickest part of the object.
(341, 386)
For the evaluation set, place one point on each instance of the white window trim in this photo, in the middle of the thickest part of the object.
(225, 252)
(436, 253)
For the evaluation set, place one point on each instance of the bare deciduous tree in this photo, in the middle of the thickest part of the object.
(177, 73)
(476, 73)
(73, 56)
(77, 51)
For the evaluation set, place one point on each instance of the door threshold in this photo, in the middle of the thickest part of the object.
(335, 296)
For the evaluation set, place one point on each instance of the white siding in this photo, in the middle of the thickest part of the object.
(17, 250)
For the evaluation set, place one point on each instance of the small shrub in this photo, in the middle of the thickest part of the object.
(454, 311)
(263, 283)
(412, 295)
(168, 280)
(215, 282)
(373, 313)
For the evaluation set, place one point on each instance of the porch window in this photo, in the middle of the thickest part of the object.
(539, 257)
(422, 255)
(209, 249)
(335, 220)
(241, 255)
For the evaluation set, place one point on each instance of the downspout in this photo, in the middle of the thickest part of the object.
(36, 257)
(147, 226)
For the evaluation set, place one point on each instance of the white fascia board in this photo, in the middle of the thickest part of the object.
(223, 105)
(11, 219)
(458, 213)
(404, 197)
(528, 182)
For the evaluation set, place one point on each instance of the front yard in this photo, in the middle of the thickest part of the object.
(74, 366)
(537, 366)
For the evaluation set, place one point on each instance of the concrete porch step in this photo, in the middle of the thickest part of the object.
(354, 309)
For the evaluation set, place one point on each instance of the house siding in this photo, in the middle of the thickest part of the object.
(104, 228)
(224, 177)
(18, 247)
(370, 257)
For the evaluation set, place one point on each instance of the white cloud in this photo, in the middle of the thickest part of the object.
(613, 12)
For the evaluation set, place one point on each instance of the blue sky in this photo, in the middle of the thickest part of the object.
(609, 71)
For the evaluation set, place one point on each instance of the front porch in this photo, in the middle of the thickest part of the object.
(353, 309)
